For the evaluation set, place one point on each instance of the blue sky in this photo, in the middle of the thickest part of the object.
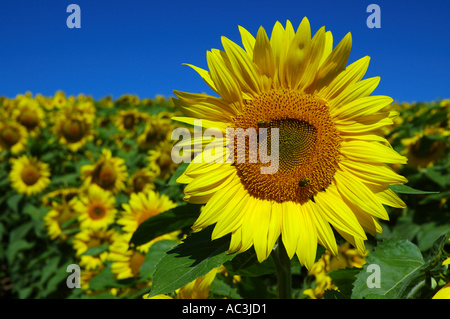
(138, 46)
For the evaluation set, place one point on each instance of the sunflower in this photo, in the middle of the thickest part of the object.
(331, 160)
(29, 175)
(61, 203)
(141, 181)
(73, 129)
(156, 131)
(96, 209)
(29, 114)
(108, 172)
(142, 206)
(127, 120)
(160, 160)
(427, 147)
(13, 137)
(89, 238)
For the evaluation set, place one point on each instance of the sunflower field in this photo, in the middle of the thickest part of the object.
(90, 185)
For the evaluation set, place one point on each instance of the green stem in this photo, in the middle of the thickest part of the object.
(283, 268)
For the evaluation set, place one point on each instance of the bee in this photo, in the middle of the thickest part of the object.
(262, 123)
(305, 181)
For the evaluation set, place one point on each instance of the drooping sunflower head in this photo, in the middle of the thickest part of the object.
(96, 208)
(110, 173)
(309, 134)
(29, 175)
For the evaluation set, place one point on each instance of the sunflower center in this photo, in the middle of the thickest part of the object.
(308, 146)
(107, 175)
(10, 136)
(139, 183)
(28, 119)
(97, 212)
(73, 130)
(129, 121)
(30, 175)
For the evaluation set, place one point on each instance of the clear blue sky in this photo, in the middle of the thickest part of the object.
(138, 46)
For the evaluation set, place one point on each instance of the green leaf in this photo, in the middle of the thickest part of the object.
(343, 278)
(180, 170)
(167, 222)
(195, 257)
(404, 189)
(153, 256)
(96, 250)
(246, 264)
(14, 201)
(400, 262)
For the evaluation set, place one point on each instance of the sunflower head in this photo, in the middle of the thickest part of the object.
(296, 107)
(13, 137)
(29, 175)
(110, 173)
(96, 208)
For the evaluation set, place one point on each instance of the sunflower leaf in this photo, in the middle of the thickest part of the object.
(404, 189)
(193, 258)
(389, 271)
(167, 222)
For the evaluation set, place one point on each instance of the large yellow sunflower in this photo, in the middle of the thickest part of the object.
(29, 175)
(96, 209)
(331, 165)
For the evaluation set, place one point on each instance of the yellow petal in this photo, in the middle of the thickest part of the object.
(362, 107)
(371, 152)
(372, 172)
(225, 82)
(263, 55)
(248, 41)
(337, 213)
(307, 241)
(290, 226)
(243, 67)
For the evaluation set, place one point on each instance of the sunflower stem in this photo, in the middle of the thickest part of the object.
(283, 268)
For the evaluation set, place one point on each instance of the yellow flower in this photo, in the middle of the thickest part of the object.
(61, 203)
(331, 165)
(443, 293)
(13, 137)
(160, 160)
(108, 172)
(29, 175)
(89, 238)
(142, 206)
(29, 114)
(127, 120)
(73, 130)
(347, 257)
(96, 209)
(423, 152)
(141, 181)
(127, 261)
(156, 131)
